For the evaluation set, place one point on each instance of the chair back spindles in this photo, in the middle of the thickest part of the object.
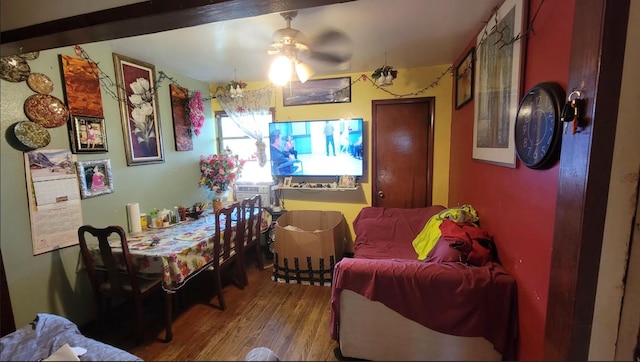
(116, 282)
(227, 246)
(225, 239)
(252, 215)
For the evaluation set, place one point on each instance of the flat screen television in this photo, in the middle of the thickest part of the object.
(315, 153)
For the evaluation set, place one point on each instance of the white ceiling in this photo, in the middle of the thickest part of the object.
(402, 33)
(407, 33)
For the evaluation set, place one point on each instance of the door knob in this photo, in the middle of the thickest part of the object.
(381, 194)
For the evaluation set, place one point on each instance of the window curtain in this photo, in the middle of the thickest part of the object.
(243, 111)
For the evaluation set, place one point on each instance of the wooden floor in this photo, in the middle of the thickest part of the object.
(290, 319)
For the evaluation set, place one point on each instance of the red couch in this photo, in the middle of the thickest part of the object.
(465, 311)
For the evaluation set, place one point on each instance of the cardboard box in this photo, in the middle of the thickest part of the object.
(307, 255)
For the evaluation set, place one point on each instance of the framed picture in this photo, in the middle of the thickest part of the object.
(497, 85)
(136, 82)
(287, 181)
(464, 80)
(181, 125)
(95, 178)
(87, 134)
(347, 181)
(81, 86)
(318, 91)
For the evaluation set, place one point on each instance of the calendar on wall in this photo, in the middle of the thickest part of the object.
(54, 199)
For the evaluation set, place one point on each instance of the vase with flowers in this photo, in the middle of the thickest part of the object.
(218, 172)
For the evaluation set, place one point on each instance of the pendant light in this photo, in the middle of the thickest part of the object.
(303, 71)
(283, 68)
(280, 72)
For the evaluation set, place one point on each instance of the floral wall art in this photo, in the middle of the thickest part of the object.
(181, 126)
(136, 83)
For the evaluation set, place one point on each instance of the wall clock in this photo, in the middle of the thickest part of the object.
(538, 127)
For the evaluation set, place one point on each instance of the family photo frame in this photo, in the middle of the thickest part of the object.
(136, 83)
(87, 134)
(95, 178)
(498, 55)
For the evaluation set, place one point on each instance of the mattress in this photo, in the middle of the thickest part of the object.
(370, 330)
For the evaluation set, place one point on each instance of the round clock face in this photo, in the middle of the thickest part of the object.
(538, 127)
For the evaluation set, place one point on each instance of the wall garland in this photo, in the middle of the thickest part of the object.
(109, 85)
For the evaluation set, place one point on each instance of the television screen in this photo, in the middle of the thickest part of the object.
(317, 148)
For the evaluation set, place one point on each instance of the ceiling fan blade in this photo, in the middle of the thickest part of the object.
(329, 57)
(330, 38)
(331, 46)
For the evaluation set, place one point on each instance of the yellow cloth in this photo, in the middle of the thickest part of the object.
(428, 237)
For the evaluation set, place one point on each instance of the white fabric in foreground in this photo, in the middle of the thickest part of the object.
(261, 354)
(64, 353)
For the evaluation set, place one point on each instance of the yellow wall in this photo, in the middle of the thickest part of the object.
(410, 83)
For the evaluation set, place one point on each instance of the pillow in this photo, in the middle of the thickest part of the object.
(383, 229)
(475, 245)
(443, 252)
(428, 237)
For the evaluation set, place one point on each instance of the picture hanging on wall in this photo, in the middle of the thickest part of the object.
(95, 178)
(181, 125)
(81, 86)
(87, 134)
(317, 91)
(464, 80)
(136, 82)
(497, 85)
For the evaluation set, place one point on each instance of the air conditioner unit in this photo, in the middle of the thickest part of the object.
(246, 190)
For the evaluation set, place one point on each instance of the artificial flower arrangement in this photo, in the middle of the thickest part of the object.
(384, 71)
(142, 112)
(218, 171)
(195, 111)
(234, 85)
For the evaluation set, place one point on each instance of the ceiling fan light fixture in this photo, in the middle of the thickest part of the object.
(280, 72)
(303, 71)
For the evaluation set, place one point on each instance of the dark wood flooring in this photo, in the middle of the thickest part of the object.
(290, 319)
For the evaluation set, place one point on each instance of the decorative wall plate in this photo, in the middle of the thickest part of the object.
(46, 110)
(14, 69)
(30, 55)
(40, 83)
(27, 136)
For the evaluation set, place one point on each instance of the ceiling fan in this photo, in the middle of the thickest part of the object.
(332, 47)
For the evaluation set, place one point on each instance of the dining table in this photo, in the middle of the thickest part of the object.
(177, 252)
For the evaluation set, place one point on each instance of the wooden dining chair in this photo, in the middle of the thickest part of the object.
(109, 282)
(252, 220)
(227, 248)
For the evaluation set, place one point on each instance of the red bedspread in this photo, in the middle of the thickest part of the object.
(449, 297)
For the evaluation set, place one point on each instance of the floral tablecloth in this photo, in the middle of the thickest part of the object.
(177, 252)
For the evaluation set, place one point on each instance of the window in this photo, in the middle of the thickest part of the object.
(230, 135)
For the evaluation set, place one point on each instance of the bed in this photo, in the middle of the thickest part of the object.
(47, 335)
(388, 305)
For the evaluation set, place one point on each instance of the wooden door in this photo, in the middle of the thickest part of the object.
(402, 152)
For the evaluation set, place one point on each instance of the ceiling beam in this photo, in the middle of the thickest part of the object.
(138, 19)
